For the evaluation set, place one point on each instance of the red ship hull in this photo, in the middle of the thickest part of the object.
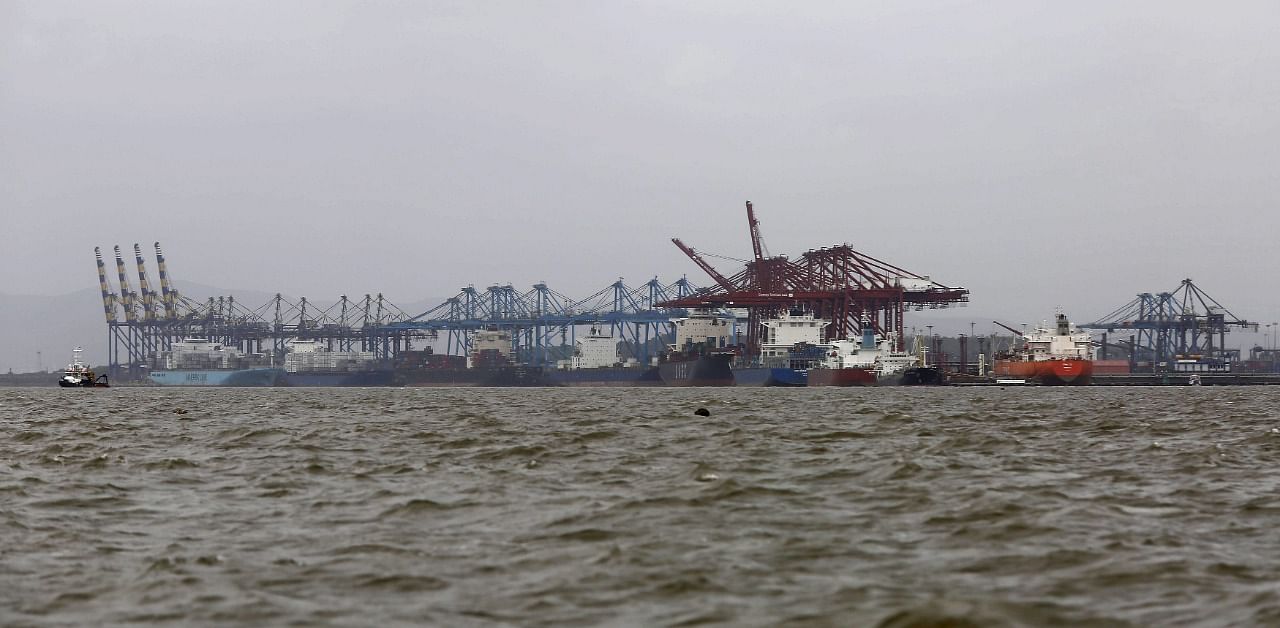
(1058, 372)
(841, 377)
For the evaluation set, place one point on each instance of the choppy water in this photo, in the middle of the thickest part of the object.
(895, 507)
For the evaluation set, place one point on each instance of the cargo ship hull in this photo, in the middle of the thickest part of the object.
(765, 376)
(353, 379)
(707, 370)
(1059, 372)
(842, 377)
(506, 376)
(606, 377)
(216, 377)
(923, 376)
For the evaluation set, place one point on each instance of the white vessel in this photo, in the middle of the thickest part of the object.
(873, 359)
(79, 375)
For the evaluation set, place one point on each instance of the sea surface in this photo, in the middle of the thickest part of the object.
(567, 507)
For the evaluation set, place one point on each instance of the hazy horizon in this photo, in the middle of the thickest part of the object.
(1045, 156)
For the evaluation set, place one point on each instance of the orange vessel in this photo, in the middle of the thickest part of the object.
(1051, 372)
(1061, 357)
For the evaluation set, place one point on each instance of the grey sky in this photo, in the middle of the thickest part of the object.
(1042, 154)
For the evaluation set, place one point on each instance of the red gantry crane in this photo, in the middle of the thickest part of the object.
(835, 282)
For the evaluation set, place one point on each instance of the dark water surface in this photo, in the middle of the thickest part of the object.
(896, 507)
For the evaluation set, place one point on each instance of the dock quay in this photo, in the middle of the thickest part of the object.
(1152, 379)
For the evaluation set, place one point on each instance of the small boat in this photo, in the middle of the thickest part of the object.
(79, 375)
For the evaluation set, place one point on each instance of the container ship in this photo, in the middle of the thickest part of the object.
(702, 354)
(490, 363)
(310, 363)
(1059, 356)
(596, 362)
(200, 362)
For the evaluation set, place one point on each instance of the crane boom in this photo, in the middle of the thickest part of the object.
(168, 295)
(108, 299)
(126, 294)
(757, 246)
(148, 297)
(697, 259)
(1015, 332)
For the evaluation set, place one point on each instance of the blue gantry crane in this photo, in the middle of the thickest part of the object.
(1184, 325)
(541, 319)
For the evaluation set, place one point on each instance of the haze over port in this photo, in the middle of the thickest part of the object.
(1043, 156)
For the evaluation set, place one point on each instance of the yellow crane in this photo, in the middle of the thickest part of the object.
(108, 299)
(125, 293)
(148, 297)
(168, 295)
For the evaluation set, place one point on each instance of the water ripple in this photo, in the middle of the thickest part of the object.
(879, 507)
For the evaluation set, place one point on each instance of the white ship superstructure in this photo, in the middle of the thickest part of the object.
(780, 334)
(703, 328)
(595, 350)
(1063, 341)
(872, 352)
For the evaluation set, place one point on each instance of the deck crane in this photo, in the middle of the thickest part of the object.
(1015, 332)
(757, 244)
(697, 259)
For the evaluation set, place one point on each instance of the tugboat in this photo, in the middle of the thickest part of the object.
(79, 375)
(1050, 357)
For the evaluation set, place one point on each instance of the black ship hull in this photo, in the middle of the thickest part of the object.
(708, 370)
(502, 376)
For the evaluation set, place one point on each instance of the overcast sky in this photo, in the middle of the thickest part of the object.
(1044, 155)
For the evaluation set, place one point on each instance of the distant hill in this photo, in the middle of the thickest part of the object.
(39, 332)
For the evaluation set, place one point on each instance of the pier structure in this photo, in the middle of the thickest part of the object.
(544, 323)
(141, 325)
(848, 287)
(1184, 328)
